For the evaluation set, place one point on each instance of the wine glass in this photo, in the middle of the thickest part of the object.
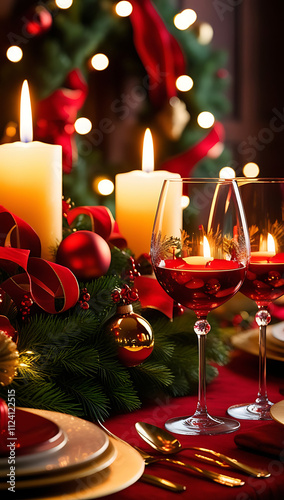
(263, 200)
(199, 256)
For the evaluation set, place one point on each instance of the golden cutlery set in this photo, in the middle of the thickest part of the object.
(166, 444)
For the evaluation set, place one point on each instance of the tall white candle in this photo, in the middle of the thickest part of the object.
(31, 182)
(136, 198)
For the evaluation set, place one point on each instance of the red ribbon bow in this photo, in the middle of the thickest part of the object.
(102, 221)
(185, 162)
(54, 288)
(158, 50)
(57, 114)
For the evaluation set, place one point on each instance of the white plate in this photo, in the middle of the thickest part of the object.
(96, 465)
(124, 471)
(86, 441)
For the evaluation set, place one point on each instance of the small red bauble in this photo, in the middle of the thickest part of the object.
(38, 20)
(85, 253)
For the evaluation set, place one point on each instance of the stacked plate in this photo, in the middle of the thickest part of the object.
(248, 341)
(64, 457)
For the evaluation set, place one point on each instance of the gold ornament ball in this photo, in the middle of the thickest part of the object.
(9, 359)
(132, 334)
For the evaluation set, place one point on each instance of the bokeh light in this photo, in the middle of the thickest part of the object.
(123, 9)
(184, 19)
(227, 173)
(14, 53)
(184, 83)
(11, 129)
(83, 125)
(216, 150)
(205, 119)
(63, 4)
(205, 34)
(103, 186)
(251, 170)
(184, 201)
(100, 62)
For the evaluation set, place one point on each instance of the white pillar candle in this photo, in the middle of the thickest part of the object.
(136, 199)
(31, 183)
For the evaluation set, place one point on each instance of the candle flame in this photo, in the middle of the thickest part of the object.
(26, 123)
(148, 152)
(270, 243)
(206, 248)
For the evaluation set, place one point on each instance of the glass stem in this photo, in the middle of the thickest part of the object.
(201, 403)
(263, 319)
(201, 329)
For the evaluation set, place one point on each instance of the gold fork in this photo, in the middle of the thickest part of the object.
(148, 478)
(213, 476)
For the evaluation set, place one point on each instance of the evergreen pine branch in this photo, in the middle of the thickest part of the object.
(70, 359)
(46, 395)
(89, 396)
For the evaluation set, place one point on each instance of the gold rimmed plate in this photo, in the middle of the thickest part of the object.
(85, 442)
(277, 412)
(248, 341)
(125, 470)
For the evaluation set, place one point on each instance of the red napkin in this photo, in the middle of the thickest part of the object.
(267, 438)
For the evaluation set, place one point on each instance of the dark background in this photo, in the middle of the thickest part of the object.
(252, 33)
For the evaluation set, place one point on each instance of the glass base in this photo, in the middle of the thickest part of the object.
(201, 425)
(251, 411)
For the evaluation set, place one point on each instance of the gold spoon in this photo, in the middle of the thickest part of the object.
(164, 442)
(149, 478)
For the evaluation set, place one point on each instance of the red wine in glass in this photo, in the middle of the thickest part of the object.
(263, 201)
(201, 289)
(200, 257)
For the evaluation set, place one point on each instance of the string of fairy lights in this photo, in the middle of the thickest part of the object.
(184, 83)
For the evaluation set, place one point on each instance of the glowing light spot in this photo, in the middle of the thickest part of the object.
(205, 34)
(184, 83)
(251, 170)
(103, 186)
(184, 201)
(184, 19)
(63, 4)
(205, 119)
(83, 125)
(123, 9)
(227, 173)
(100, 62)
(14, 53)
(11, 129)
(216, 150)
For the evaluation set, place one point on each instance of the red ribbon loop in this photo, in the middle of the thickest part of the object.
(17, 233)
(158, 50)
(184, 163)
(54, 288)
(102, 221)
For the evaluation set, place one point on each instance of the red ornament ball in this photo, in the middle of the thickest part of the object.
(85, 253)
(39, 20)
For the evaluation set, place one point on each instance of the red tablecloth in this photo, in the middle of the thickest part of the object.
(236, 383)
